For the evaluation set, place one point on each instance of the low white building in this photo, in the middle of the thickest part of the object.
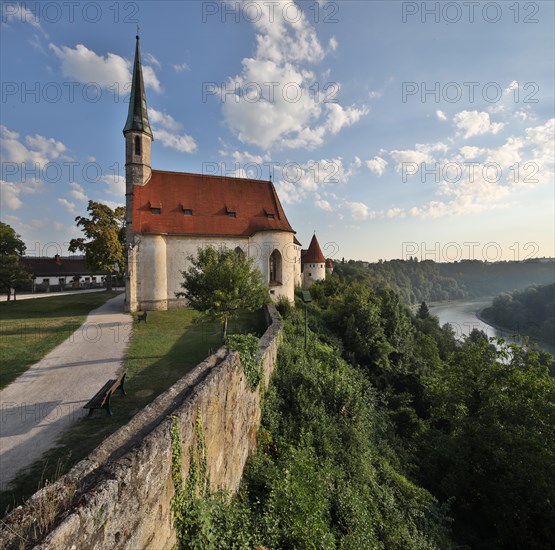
(61, 273)
(171, 214)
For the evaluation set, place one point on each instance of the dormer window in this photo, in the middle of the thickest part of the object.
(187, 211)
(231, 211)
(137, 145)
(270, 215)
(155, 207)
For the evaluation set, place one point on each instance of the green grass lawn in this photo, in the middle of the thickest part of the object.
(29, 329)
(161, 351)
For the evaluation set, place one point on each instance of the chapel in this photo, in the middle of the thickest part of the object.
(169, 215)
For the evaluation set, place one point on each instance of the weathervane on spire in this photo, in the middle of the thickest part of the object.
(138, 30)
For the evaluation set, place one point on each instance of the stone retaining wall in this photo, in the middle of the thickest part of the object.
(120, 494)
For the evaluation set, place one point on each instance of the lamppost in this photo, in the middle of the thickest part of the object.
(307, 298)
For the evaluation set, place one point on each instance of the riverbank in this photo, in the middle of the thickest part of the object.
(465, 315)
(514, 335)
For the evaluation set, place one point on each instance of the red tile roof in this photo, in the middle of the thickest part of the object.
(314, 253)
(211, 199)
(57, 267)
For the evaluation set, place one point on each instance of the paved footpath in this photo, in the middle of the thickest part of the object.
(47, 399)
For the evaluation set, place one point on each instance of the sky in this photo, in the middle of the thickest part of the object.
(392, 129)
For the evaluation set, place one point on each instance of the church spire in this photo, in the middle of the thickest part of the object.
(137, 117)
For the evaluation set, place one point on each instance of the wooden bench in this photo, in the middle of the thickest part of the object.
(102, 398)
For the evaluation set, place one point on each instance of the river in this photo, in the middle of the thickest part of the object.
(461, 314)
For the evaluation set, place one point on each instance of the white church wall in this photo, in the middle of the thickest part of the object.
(179, 248)
(263, 244)
(298, 273)
(159, 285)
(153, 273)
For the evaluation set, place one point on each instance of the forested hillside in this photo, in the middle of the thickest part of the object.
(416, 281)
(387, 433)
(530, 312)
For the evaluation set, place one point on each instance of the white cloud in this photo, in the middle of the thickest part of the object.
(48, 147)
(441, 115)
(359, 210)
(377, 165)
(409, 156)
(163, 119)
(68, 204)
(523, 116)
(77, 192)
(323, 205)
(88, 67)
(115, 184)
(112, 204)
(339, 117)
(166, 129)
(15, 12)
(183, 143)
(542, 138)
(298, 181)
(520, 161)
(427, 148)
(511, 87)
(245, 158)
(150, 79)
(38, 150)
(476, 123)
(506, 155)
(152, 60)
(468, 152)
(396, 213)
(273, 102)
(243, 164)
(181, 67)
(9, 195)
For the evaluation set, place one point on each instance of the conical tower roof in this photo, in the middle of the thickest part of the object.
(137, 118)
(314, 253)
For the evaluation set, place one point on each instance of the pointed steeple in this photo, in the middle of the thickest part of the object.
(314, 253)
(137, 118)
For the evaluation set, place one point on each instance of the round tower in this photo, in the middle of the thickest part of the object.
(313, 264)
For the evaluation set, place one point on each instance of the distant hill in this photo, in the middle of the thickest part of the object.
(417, 281)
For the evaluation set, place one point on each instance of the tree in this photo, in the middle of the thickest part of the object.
(491, 445)
(220, 282)
(423, 311)
(104, 242)
(12, 272)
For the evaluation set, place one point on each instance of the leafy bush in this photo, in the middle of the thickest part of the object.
(247, 345)
(284, 307)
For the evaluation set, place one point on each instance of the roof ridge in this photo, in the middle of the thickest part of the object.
(210, 176)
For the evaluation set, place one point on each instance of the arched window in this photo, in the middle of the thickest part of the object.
(275, 267)
(239, 251)
(137, 145)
